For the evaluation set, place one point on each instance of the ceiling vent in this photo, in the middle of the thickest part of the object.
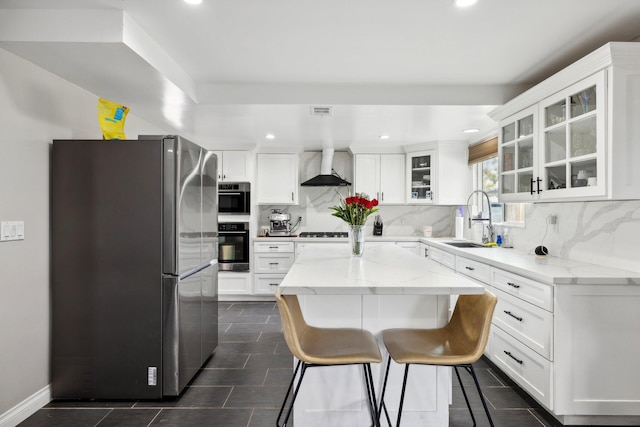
(320, 111)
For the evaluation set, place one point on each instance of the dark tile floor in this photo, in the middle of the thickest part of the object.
(244, 383)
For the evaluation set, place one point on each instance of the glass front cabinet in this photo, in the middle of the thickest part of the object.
(517, 151)
(555, 149)
(421, 170)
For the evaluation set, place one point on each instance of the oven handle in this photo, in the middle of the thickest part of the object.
(222, 233)
(229, 194)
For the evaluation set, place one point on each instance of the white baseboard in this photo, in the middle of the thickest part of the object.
(26, 408)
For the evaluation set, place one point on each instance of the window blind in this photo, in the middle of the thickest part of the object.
(483, 150)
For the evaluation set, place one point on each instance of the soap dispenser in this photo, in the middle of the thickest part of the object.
(506, 241)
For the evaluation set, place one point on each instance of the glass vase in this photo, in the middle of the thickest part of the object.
(356, 235)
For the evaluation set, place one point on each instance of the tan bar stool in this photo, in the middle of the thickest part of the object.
(459, 344)
(325, 347)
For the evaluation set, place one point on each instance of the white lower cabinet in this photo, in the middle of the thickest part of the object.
(267, 284)
(234, 283)
(571, 347)
(526, 367)
(271, 262)
(526, 322)
(474, 269)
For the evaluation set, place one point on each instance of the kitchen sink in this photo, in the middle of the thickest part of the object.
(466, 245)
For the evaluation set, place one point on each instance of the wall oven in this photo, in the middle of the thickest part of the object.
(234, 198)
(233, 246)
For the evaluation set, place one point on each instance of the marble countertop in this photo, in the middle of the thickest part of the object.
(547, 269)
(381, 270)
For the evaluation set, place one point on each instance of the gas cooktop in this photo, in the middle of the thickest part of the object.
(324, 234)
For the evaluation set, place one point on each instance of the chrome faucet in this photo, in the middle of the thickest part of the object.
(489, 228)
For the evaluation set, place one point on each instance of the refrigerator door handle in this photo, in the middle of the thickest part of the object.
(170, 205)
(197, 269)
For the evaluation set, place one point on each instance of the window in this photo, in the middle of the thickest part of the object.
(486, 179)
(483, 157)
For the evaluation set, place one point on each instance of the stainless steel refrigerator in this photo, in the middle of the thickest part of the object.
(134, 266)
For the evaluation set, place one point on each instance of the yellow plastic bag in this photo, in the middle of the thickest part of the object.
(111, 117)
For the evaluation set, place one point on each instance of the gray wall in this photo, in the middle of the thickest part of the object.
(35, 107)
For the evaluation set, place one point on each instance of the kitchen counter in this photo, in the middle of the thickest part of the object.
(548, 269)
(386, 269)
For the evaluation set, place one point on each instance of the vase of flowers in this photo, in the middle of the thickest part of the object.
(354, 210)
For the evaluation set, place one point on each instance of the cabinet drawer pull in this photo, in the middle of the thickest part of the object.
(273, 247)
(519, 319)
(513, 285)
(508, 353)
(274, 263)
(470, 268)
(273, 284)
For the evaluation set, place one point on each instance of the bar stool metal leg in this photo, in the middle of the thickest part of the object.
(464, 393)
(295, 393)
(384, 389)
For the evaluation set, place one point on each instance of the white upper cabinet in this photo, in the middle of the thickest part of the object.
(277, 179)
(234, 166)
(380, 176)
(573, 136)
(438, 175)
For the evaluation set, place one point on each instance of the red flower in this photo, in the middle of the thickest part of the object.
(355, 209)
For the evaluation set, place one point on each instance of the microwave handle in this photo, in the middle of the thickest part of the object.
(229, 194)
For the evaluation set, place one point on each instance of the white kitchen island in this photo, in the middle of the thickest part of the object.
(388, 287)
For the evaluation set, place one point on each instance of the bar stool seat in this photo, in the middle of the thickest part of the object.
(459, 344)
(314, 347)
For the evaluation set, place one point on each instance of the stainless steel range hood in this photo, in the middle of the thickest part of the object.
(327, 177)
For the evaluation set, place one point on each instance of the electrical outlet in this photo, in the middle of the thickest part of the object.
(552, 219)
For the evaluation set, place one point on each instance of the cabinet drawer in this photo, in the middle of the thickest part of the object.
(526, 322)
(234, 284)
(267, 283)
(262, 247)
(529, 290)
(273, 263)
(523, 365)
(473, 269)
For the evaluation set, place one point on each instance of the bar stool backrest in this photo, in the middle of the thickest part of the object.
(293, 323)
(469, 326)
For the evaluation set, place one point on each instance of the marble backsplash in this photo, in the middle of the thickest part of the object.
(604, 233)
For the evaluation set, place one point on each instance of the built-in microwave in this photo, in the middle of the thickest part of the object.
(234, 198)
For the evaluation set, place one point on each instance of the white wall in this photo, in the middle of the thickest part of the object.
(35, 107)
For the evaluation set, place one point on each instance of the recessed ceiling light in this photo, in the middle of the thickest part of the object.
(270, 136)
(193, 1)
(384, 136)
(473, 130)
(465, 3)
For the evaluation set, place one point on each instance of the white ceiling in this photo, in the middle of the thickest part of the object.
(227, 72)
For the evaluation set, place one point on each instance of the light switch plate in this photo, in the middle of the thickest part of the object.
(11, 230)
